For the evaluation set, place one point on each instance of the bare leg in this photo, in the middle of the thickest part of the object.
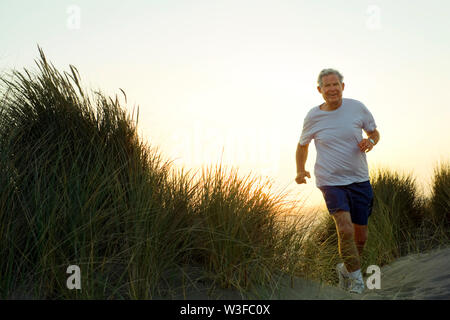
(347, 246)
(361, 233)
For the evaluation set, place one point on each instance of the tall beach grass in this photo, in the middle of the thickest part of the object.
(440, 198)
(78, 186)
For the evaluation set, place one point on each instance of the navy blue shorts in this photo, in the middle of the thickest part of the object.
(356, 198)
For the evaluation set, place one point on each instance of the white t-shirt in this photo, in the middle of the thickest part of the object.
(336, 136)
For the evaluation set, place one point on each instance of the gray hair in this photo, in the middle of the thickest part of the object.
(326, 72)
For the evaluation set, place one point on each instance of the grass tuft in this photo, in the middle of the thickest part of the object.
(79, 187)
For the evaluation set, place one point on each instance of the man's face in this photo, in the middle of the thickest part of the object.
(331, 89)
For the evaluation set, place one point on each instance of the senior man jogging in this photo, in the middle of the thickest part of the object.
(341, 169)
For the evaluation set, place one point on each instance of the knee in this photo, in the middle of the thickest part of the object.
(344, 225)
(346, 231)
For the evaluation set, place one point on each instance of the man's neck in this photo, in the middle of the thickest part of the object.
(332, 106)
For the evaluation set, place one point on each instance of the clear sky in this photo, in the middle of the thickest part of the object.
(234, 79)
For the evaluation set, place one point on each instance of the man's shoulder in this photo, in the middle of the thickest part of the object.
(354, 102)
(313, 110)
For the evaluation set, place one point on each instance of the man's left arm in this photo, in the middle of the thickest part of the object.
(366, 144)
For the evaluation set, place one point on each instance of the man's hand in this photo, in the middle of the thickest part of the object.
(301, 177)
(365, 145)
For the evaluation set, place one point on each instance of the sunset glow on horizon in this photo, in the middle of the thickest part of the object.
(231, 81)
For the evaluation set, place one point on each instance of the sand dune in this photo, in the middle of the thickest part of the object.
(418, 276)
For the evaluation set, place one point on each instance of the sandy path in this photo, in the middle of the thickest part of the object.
(419, 276)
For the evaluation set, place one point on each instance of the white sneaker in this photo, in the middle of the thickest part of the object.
(356, 285)
(344, 280)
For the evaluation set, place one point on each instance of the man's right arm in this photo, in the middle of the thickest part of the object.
(300, 156)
